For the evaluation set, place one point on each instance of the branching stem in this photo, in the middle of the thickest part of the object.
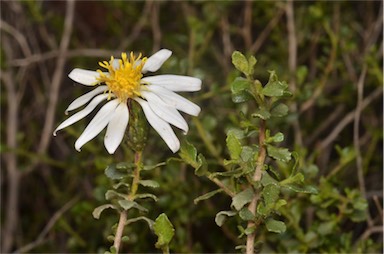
(131, 197)
(256, 177)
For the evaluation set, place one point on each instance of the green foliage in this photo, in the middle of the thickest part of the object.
(164, 230)
(325, 209)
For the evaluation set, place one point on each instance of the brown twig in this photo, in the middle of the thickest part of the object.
(155, 25)
(264, 34)
(256, 177)
(52, 221)
(292, 65)
(57, 76)
(348, 119)
(246, 30)
(131, 197)
(13, 175)
(356, 137)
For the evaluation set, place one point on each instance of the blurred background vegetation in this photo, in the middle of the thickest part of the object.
(330, 53)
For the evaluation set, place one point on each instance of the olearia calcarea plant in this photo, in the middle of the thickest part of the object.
(133, 101)
(250, 176)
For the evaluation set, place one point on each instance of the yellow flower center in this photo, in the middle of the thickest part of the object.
(124, 80)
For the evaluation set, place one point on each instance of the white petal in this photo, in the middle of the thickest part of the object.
(155, 61)
(97, 124)
(162, 127)
(83, 113)
(116, 128)
(175, 100)
(165, 112)
(175, 83)
(84, 77)
(85, 98)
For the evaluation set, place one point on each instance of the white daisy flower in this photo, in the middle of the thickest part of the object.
(124, 81)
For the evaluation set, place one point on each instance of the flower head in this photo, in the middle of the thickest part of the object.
(124, 81)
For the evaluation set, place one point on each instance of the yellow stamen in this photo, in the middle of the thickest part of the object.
(123, 80)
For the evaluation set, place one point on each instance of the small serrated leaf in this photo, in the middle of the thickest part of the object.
(112, 172)
(126, 204)
(149, 221)
(275, 226)
(146, 195)
(221, 217)
(280, 110)
(239, 85)
(302, 189)
(111, 194)
(274, 87)
(266, 179)
(270, 194)
(150, 167)
(246, 215)
(207, 196)
(240, 62)
(251, 64)
(262, 113)
(149, 183)
(164, 230)
(203, 166)
(98, 210)
(234, 146)
(189, 153)
(242, 198)
(278, 153)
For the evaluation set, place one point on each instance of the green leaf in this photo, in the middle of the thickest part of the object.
(222, 216)
(275, 226)
(111, 194)
(266, 179)
(114, 173)
(277, 138)
(149, 183)
(207, 196)
(280, 110)
(301, 189)
(270, 194)
(146, 195)
(234, 146)
(188, 153)
(120, 184)
(127, 204)
(149, 221)
(247, 153)
(164, 230)
(240, 84)
(98, 210)
(281, 154)
(274, 87)
(242, 198)
(280, 203)
(326, 228)
(240, 62)
(242, 96)
(251, 64)
(246, 215)
(150, 167)
(262, 113)
(203, 166)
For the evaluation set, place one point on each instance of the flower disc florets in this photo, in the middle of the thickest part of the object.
(124, 77)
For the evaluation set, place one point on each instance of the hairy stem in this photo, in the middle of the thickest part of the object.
(131, 197)
(256, 177)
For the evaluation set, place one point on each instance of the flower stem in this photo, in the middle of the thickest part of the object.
(256, 177)
(131, 197)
